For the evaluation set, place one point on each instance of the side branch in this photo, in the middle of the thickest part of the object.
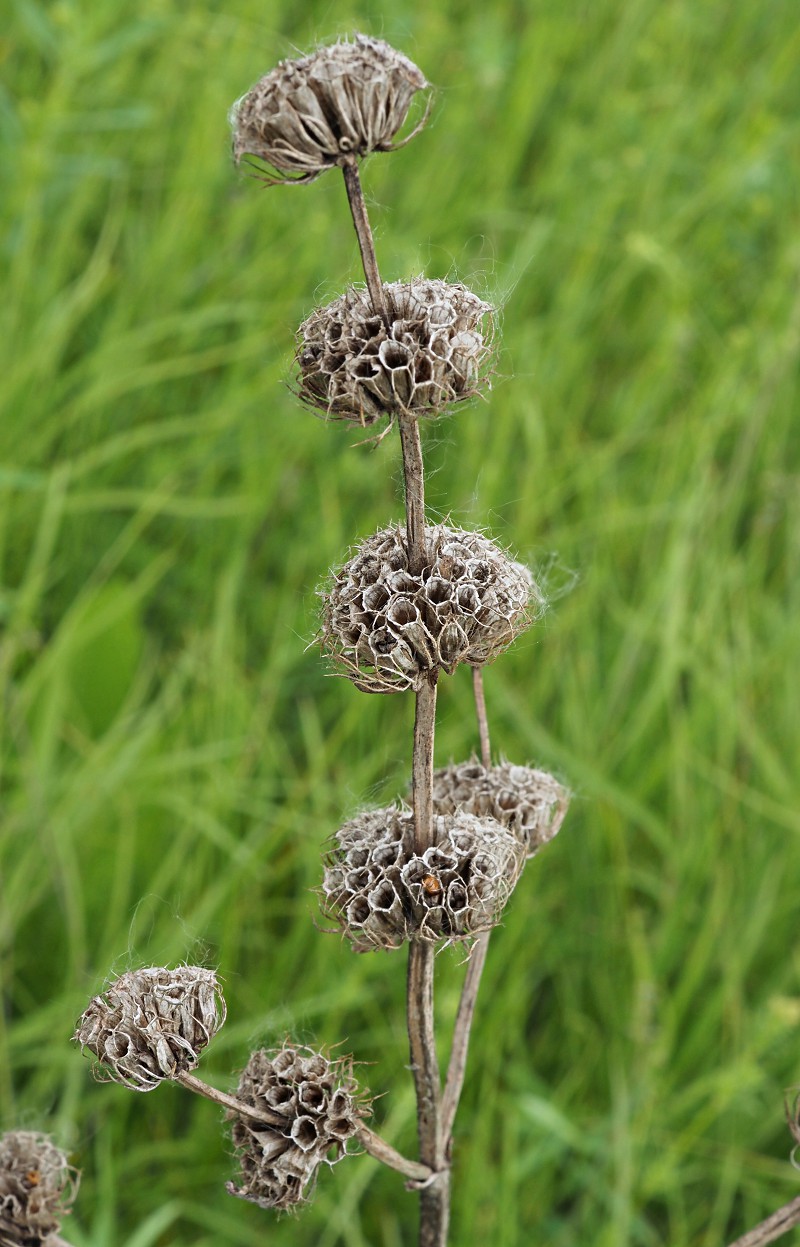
(785, 1219)
(457, 1066)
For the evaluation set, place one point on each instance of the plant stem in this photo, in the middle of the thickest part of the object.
(483, 722)
(414, 483)
(785, 1219)
(457, 1065)
(192, 1083)
(383, 1151)
(422, 765)
(369, 1140)
(434, 1197)
(366, 243)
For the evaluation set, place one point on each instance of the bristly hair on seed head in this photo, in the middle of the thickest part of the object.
(434, 350)
(152, 1024)
(387, 628)
(381, 893)
(308, 115)
(312, 1107)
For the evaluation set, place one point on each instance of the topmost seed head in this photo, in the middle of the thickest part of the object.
(308, 115)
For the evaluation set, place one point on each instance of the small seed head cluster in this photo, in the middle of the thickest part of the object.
(530, 802)
(308, 115)
(312, 1108)
(388, 628)
(382, 893)
(37, 1185)
(433, 350)
(152, 1024)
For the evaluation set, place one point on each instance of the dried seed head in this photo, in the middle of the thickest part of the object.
(388, 628)
(531, 803)
(312, 1107)
(343, 100)
(37, 1185)
(433, 350)
(381, 893)
(152, 1024)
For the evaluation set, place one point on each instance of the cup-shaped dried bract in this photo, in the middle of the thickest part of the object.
(308, 115)
(152, 1024)
(380, 892)
(433, 350)
(37, 1185)
(388, 629)
(530, 802)
(312, 1107)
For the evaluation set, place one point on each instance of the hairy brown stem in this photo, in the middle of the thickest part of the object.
(435, 1193)
(457, 1065)
(785, 1219)
(483, 722)
(414, 482)
(366, 243)
(435, 1198)
(422, 765)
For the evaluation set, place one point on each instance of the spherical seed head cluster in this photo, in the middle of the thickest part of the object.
(37, 1185)
(152, 1024)
(433, 350)
(311, 1106)
(388, 628)
(311, 114)
(530, 802)
(381, 893)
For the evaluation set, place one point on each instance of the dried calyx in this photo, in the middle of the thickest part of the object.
(530, 802)
(380, 892)
(37, 1185)
(152, 1024)
(432, 350)
(312, 1108)
(388, 629)
(308, 115)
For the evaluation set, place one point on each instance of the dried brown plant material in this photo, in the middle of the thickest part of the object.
(344, 100)
(152, 1024)
(433, 349)
(530, 802)
(387, 629)
(381, 893)
(312, 1108)
(37, 1185)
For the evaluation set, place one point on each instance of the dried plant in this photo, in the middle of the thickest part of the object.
(414, 601)
(37, 1186)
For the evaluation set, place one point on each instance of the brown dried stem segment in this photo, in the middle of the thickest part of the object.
(435, 1197)
(785, 1219)
(366, 242)
(483, 722)
(414, 482)
(457, 1066)
(422, 771)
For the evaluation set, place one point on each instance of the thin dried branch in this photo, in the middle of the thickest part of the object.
(457, 1065)
(780, 1223)
(483, 722)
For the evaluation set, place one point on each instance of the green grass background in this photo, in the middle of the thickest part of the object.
(622, 177)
